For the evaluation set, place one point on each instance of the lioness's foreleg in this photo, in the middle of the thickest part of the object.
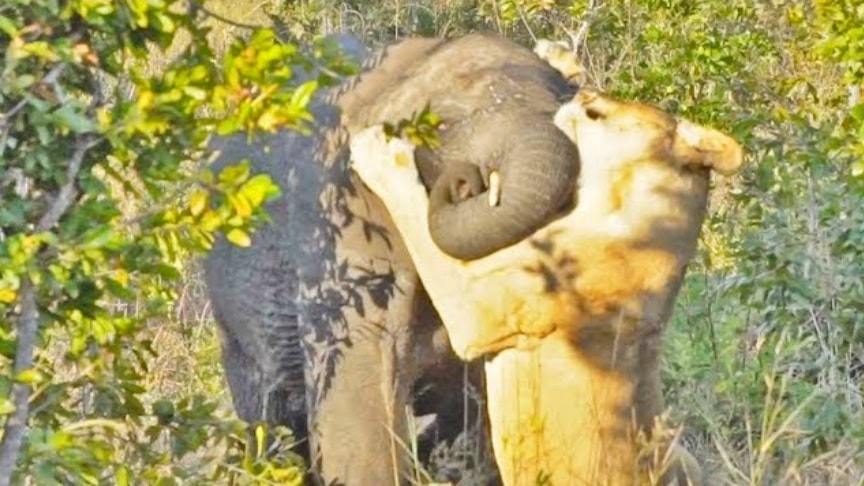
(479, 301)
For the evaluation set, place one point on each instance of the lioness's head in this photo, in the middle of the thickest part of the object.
(608, 130)
(633, 156)
(645, 167)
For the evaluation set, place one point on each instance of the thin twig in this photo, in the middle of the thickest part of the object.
(226, 20)
(525, 22)
(6, 118)
(51, 78)
(497, 18)
(580, 37)
(68, 191)
(6, 124)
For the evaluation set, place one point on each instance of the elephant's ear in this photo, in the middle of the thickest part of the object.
(706, 147)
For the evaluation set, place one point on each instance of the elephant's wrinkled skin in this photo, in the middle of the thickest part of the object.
(327, 294)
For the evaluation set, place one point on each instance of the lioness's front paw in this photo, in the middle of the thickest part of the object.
(385, 166)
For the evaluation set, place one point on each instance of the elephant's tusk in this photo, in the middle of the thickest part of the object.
(494, 188)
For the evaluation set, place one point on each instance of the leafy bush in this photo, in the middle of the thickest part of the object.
(103, 196)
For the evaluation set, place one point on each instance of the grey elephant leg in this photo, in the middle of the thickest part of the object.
(360, 387)
(245, 380)
(260, 346)
(254, 291)
(256, 400)
(357, 290)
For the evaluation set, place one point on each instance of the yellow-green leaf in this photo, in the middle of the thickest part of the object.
(8, 26)
(260, 436)
(304, 93)
(121, 477)
(210, 221)
(240, 204)
(29, 376)
(6, 406)
(235, 174)
(259, 188)
(239, 238)
(198, 202)
(7, 296)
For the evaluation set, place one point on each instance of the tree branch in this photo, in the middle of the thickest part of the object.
(221, 18)
(580, 37)
(16, 424)
(5, 123)
(28, 322)
(6, 118)
(68, 192)
(525, 22)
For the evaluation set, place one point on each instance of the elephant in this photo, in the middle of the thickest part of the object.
(325, 325)
(482, 87)
(570, 320)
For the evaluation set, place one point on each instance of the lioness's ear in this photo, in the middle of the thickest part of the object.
(695, 144)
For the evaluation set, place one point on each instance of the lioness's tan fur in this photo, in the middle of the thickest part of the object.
(572, 317)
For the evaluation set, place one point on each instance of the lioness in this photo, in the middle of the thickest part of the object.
(570, 319)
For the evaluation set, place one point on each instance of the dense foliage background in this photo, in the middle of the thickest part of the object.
(106, 345)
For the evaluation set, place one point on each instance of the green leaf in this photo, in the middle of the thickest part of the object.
(858, 168)
(118, 290)
(24, 81)
(167, 271)
(258, 189)
(8, 26)
(61, 440)
(304, 93)
(99, 238)
(164, 410)
(67, 116)
(235, 174)
(857, 112)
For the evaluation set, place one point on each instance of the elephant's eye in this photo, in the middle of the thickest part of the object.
(593, 113)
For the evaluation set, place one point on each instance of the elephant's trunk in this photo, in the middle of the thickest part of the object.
(538, 168)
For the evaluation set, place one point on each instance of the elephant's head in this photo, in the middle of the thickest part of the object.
(497, 101)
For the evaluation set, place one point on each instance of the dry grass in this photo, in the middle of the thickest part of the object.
(188, 346)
